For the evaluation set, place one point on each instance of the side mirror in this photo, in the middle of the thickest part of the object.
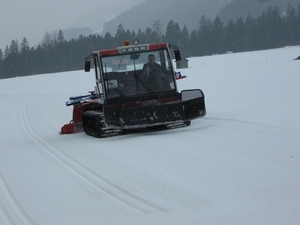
(177, 55)
(87, 66)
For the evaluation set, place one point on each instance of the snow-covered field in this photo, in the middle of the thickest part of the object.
(240, 164)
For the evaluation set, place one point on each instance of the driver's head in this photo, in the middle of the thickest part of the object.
(151, 59)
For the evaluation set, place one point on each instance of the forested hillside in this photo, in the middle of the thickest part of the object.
(271, 29)
(183, 12)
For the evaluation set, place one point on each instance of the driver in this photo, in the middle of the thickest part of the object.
(151, 66)
(154, 76)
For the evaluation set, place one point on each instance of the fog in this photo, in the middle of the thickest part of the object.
(31, 18)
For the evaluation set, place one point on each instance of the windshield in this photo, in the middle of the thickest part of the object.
(137, 73)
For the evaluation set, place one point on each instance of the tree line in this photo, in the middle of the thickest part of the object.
(272, 29)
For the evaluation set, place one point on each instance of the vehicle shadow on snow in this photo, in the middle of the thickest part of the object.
(150, 131)
(142, 132)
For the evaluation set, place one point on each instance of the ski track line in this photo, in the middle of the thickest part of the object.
(112, 190)
(2, 103)
(15, 210)
(25, 133)
(19, 210)
(4, 213)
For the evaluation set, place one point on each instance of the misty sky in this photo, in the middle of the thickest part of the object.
(32, 18)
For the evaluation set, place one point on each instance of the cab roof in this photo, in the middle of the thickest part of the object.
(132, 49)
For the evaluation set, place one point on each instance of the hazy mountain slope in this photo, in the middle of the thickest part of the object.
(183, 12)
(243, 8)
(99, 15)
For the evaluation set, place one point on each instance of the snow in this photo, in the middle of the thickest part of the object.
(240, 164)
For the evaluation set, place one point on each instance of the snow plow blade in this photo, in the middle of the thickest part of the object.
(69, 128)
(191, 106)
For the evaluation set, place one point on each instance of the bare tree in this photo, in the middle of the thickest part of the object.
(157, 28)
(46, 40)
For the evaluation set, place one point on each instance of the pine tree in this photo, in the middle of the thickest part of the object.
(12, 60)
(250, 34)
(1, 55)
(297, 33)
(149, 36)
(173, 33)
(25, 62)
(217, 40)
(230, 36)
(194, 48)
(270, 28)
(184, 40)
(205, 36)
(24, 45)
(170, 32)
(60, 37)
(277, 25)
(108, 40)
(6, 52)
(1, 64)
(120, 36)
(14, 47)
(291, 24)
(240, 34)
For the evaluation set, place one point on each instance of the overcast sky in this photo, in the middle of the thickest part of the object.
(32, 18)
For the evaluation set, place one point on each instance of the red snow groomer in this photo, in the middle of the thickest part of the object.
(135, 88)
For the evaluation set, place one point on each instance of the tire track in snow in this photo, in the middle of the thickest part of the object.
(97, 181)
(268, 180)
(276, 130)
